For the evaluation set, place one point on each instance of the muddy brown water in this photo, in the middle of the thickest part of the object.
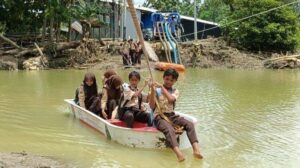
(246, 119)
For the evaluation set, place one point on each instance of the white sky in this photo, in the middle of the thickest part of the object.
(139, 2)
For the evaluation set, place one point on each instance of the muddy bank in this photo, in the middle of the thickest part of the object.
(215, 53)
(207, 53)
(24, 160)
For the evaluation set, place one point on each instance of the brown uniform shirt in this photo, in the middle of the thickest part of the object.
(165, 105)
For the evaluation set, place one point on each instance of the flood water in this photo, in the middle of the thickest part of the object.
(246, 119)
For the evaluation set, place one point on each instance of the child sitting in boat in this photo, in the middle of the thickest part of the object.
(111, 95)
(86, 95)
(131, 107)
(166, 119)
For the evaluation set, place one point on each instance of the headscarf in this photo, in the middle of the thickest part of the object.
(109, 73)
(90, 91)
(111, 84)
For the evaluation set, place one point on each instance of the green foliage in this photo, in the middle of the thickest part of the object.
(88, 11)
(21, 15)
(185, 7)
(214, 10)
(273, 31)
(58, 10)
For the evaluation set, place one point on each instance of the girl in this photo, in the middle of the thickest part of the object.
(86, 95)
(132, 109)
(110, 96)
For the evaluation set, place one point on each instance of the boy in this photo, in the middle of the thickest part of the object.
(131, 107)
(166, 97)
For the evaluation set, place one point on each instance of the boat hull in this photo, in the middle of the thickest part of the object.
(137, 137)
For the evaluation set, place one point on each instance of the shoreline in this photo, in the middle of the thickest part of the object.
(24, 159)
(209, 53)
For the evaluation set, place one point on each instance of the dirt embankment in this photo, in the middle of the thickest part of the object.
(207, 53)
(77, 54)
(215, 53)
(24, 160)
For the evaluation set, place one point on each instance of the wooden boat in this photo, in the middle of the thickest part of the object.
(162, 66)
(140, 136)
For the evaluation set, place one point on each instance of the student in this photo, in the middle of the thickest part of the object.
(86, 95)
(132, 108)
(139, 52)
(111, 95)
(132, 48)
(124, 50)
(167, 96)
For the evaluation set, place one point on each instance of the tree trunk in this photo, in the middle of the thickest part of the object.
(9, 41)
(51, 30)
(59, 47)
(70, 31)
(44, 29)
(58, 31)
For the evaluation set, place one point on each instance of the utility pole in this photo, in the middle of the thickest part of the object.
(195, 20)
(124, 21)
(113, 20)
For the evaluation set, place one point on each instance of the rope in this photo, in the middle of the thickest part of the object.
(245, 18)
(141, 39)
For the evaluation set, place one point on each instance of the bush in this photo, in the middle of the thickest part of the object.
(277, 30)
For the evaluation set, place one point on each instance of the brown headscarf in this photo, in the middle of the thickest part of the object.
(111, 84)
(109, 73)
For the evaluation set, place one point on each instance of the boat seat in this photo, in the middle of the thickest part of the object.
(120, 123)
(137, 126)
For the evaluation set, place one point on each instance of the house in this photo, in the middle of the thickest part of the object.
(114, 23)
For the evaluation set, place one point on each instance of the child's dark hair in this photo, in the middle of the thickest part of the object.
(171, 72)
(89, 76)
(134, 74)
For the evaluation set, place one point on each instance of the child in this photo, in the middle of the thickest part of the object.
(132, 48)
(86, 95)
(131, 107)
(124, 51)
(110, 96)
(139, 52)
(167, 96)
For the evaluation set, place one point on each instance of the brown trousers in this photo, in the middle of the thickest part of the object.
(169, 132)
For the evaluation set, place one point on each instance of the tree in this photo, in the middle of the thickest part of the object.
(21, 15)
(273, 31)
(184, 7)
(214, 10)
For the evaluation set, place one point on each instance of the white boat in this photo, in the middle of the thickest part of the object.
(140, 136)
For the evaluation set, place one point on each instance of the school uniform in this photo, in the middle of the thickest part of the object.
(132, 53)
(165, 127)
(125, 54)
(110, 95)
(138, 55)
(88, 99)
(132, 108)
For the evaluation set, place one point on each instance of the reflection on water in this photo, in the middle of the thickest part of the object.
(246, 119)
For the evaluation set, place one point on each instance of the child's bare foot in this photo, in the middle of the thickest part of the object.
(198, 155)
(196, 151)
(180, 158)
(179, 154)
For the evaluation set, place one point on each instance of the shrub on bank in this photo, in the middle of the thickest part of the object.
(277, 30)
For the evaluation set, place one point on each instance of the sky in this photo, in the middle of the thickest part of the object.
(139, 2)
